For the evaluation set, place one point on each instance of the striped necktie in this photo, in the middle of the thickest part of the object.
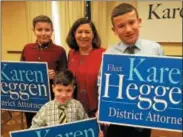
(62, 117)
(130, 49)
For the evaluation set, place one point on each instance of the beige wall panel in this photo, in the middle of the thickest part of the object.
(174, 49)
(14, 29)
(100, 19)
(168, 28)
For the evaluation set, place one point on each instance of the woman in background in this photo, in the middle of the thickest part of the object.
(84, 60)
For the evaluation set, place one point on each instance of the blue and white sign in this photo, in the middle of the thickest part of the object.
(84, 128)
(141, 91)
(25, 86)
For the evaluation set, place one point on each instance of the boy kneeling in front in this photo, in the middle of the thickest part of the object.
(63, 109)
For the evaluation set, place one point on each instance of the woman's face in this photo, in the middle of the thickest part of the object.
(84, 36)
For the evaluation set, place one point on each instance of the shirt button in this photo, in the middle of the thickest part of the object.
(83, 91)
(39, 58)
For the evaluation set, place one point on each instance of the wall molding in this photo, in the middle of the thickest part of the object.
(14, 52)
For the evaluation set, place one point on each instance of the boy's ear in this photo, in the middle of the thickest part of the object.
(53, 88)
(140, 21)
(33, 30)
(74, 87)
(113, 29)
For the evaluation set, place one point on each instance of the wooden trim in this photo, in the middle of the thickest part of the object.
(14, 52)
(175, 55)
(169, 42)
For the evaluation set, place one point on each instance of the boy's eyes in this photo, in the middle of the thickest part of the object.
(47, 30)
(121, 26)
(131, 22)
(59, 90)
(67, 91)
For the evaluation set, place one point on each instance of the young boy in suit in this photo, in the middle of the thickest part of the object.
(63, 108)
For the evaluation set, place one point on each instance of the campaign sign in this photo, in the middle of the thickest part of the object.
(83, 128)
(141, 91)
(24, 86)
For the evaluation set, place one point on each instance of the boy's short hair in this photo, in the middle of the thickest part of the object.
(122, 9)
(42, 18)
(64, 77)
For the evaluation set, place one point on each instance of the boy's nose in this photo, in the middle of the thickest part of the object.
(128, 28)
(43, 32)
(63, 94)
